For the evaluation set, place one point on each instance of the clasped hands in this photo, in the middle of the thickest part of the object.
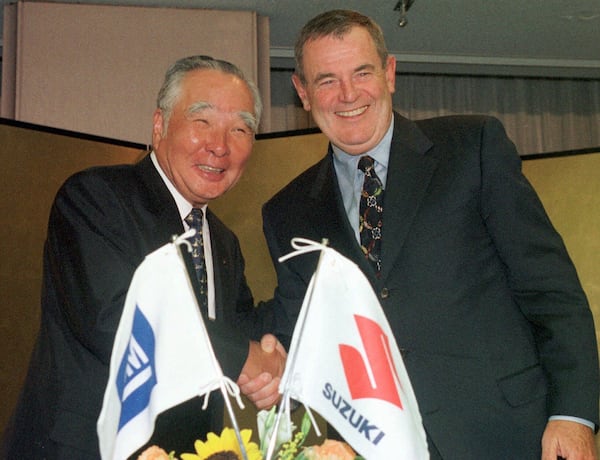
(262, 371)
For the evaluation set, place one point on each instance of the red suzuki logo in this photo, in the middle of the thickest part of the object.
(377, 377)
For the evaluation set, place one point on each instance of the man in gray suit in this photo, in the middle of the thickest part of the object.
(103, 222)
(484, 302)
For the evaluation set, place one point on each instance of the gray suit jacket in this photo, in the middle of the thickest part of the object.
(484, 302)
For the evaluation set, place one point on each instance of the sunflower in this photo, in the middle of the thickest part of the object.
(224, 447)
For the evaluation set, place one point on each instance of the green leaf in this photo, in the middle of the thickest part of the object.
(306, 424)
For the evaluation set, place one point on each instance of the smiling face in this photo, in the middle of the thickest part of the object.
(204, 148)
(347, 90)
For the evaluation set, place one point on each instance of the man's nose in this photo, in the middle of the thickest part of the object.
(348, 90)
(216, 142)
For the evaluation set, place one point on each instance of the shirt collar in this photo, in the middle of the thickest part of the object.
(380, 153)
(183, 206)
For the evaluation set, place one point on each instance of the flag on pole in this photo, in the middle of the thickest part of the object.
(345, 364)
(161, 357)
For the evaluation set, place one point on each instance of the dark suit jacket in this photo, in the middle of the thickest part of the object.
(484, 302)
(104, 221)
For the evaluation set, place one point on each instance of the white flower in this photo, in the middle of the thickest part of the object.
(265, 421)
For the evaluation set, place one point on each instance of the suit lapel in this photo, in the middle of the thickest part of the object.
(409, 174)
(329, 216)
(410, 171)
(159, 203)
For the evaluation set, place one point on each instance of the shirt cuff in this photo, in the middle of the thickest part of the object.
(574, 419)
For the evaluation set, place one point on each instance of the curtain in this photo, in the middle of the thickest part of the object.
(541, 115)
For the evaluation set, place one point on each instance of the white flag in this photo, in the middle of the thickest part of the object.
(345, 364)
(161, 357)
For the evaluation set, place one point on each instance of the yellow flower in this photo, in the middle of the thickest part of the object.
(219, 446)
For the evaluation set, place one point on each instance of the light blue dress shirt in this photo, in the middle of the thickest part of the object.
(350, 178)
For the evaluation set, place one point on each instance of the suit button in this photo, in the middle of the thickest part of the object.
(385, 293)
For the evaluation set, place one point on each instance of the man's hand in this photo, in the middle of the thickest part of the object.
(568, 440)
(261, 374)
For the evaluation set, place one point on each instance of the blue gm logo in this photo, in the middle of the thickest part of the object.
(137, 372)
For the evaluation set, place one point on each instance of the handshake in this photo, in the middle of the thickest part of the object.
(262, 371)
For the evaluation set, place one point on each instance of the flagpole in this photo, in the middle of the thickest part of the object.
(236, 428)
(285, 396)
(179, 241)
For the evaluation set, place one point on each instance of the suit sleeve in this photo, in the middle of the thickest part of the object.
(238, 320)
(542, 278)
(90, 260)
(291, 284)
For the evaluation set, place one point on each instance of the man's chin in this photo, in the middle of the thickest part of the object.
(356, 146)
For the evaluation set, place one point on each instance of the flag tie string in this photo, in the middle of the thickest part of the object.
(227, 385)
(183, 239)
(303, 246)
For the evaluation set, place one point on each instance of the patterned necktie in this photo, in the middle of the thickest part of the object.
(194, 220)
(370, 219)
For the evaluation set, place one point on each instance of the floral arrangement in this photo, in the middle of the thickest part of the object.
(226, 446)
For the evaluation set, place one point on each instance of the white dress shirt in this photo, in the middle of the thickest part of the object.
(184, 208)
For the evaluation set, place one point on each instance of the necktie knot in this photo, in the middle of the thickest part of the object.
(194, 219)
(365, 164)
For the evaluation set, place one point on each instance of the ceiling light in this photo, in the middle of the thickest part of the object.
(403, 6)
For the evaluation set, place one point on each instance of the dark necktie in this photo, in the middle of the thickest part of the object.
(370, 219)
(194, 220)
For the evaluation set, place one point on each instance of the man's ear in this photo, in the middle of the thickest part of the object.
(301, 90)
(157, 127)
(390, 73)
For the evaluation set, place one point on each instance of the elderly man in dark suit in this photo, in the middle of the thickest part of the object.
(104, 221)
(496, 332)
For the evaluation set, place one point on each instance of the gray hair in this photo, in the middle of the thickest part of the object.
(171, 88)
(337, 23)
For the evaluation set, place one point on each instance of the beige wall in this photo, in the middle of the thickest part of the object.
(96, 69)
